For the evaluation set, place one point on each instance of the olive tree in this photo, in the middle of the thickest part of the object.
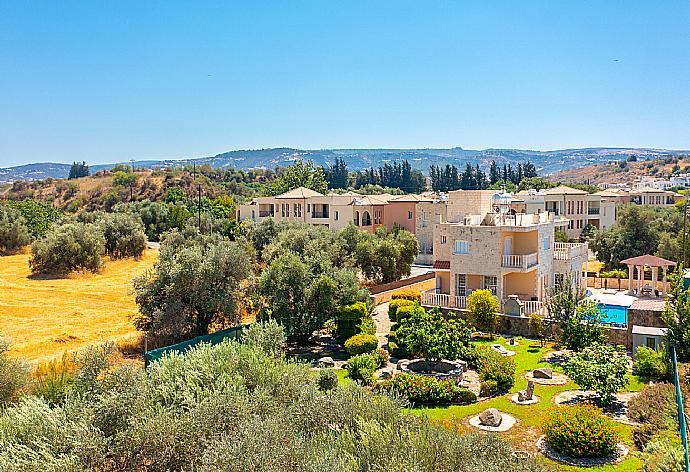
(68, 247)
(196, 284)
(124, 235)
(14, 233)
(600, 368)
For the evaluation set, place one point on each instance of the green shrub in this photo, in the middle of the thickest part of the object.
(268, 336)
(361, 343)
(598, 367)
(68, 247)
(413, 295)
(420, 389)
(347, 319)
(494, 366)
(395, 304)
(361, 368)
(397, 351)
(53, 380)
(483, 308)
(663, 456)
(406, 311)
(14, 233)
(652, 363)
(431, 335)
(328, 380)
(488, 388)
(14, 377)
(580, 431)
(124, 235)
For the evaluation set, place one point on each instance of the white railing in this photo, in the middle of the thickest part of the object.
(520, 261)
(530, 307)
(568, 251)
(444, 300)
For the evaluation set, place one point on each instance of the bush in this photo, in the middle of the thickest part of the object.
(367, 325)
(328, 380)
(361, 344)
(406, 311)
(488, 388)
(580, 431)
(54, 379)
(655, 408)
(663, 456)
(420, 389)
(124, 235)
(395, 304)
(494, 366)
(361, 368)
(268, 336)
(652, 363)
(600, 368)
(14, 376)
(347, 319)
(397, 351)
(430, 335)
(412, 295)
(14, 233)
(381, 356)
(483, 307)
(69, 247)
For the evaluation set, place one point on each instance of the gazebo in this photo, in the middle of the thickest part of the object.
(641, 262)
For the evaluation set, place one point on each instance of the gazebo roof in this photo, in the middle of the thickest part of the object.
(648, 260)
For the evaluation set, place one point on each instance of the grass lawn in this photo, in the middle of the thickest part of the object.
(44, 317)
(527, 431)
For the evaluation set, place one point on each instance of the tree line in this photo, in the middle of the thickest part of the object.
(444, 179)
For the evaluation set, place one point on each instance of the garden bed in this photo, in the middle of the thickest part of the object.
(617, 457)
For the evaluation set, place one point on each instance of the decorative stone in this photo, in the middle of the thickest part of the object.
(528, 393)
(325, 362)
(542, 373)
(386, 373)
(490, 417)
(443, 369)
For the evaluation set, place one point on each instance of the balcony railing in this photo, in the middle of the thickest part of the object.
(444, 300)
(519, 261)
(319, 214)
(593, 210)
(568, 251)
(265, 213)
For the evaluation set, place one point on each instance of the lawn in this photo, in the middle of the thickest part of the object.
(44, 317)
(527, 431)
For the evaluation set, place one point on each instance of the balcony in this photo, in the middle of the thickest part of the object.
(265, 213)
(443, 300)
(519, 261)
(319, 214)
(593, 210)
(569, 251)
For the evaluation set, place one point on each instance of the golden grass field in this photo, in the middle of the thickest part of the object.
(44, 317)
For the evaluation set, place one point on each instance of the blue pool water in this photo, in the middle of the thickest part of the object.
(614, 314)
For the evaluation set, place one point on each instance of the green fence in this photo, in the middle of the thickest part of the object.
(682, 420)
(214, 338)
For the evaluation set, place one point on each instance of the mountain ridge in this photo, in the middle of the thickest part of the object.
(547, 162)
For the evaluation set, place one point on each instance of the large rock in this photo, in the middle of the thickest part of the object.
(542, 373)
(386, 373)
(527, 394)
(325, 362)
(490, 417)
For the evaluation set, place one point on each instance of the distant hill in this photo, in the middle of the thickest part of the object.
(547, 162)
(626, 173)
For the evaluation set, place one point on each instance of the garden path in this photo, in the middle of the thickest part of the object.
(383, 324)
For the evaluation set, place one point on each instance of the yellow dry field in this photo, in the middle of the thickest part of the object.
(44, 317)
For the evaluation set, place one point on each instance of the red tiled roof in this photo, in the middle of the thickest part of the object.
(648, 260)
(648, 305)
(444, 265)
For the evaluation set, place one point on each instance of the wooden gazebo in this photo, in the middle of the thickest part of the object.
(640, 263)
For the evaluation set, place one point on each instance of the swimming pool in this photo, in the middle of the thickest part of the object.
(614, 314)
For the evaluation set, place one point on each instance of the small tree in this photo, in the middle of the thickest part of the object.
(430, 335)
(600, 368)
(539, 327)
(68, 247)
(124, 235)
(14, 376)
(79, 169)
(677, 316)
(483, 308)
(579, 321)
(14, 233)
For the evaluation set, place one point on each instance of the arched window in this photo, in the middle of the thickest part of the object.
(366, 219)
(356, 218)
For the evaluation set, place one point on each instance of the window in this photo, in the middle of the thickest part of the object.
(547, 243)
(308, 207)
(336, 216)
(461, 284)
(253, 215)
(425, 219)
(489, 282)
(461, 247)
(409, 215)
(651, 343)
(444, 240)
(282, 209)
(558, 279)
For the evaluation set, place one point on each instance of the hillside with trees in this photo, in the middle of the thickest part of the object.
(626, 171)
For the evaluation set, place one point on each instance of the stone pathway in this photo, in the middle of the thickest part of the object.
(383, 324)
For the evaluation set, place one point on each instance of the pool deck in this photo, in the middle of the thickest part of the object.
(623, 298)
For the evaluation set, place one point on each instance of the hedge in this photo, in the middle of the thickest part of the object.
(412, 295)
(395, 304)
(361, 343)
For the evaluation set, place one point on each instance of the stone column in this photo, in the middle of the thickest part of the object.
(639, 280)
(630, 279)
(663, 290)
(654, 279)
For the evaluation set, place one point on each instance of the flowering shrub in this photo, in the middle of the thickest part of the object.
(580, 431)
(413, 295)
(494, 366)
(420, 389)
(395, 304)
(381, 356)
(361, 343)
(488, 388)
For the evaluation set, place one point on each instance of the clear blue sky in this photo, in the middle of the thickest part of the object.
(109, 81)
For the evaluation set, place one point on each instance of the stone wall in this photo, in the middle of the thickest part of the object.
(382, 293)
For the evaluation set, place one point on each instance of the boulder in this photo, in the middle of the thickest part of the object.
(325, 362)
(490, 417)
(386, 373)
(528, 393)
(542, 373)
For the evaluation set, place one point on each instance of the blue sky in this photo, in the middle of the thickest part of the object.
(110, 81)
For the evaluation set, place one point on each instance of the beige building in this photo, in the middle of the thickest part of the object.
(512, 254)
(653, 196)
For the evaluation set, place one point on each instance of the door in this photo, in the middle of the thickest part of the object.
(508, 245)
